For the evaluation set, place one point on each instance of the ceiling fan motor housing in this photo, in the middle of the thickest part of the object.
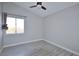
(39, 3)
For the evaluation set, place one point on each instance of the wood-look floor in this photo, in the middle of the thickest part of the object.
(40, 48)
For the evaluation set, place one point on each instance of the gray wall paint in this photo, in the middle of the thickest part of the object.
(63, 28)
(33, 25)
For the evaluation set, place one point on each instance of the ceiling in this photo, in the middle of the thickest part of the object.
(52, 7)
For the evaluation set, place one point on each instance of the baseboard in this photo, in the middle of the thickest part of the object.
(76, 53)
(21, 43)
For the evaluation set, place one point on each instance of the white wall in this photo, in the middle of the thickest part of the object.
(33, 25)
(63, 28)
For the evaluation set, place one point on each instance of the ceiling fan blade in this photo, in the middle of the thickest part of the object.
(33, 6)
(43, 7)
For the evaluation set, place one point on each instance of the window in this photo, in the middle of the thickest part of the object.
(15, 25)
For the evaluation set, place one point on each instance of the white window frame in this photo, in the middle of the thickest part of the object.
(19, 17)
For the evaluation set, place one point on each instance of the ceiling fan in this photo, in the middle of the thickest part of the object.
(38, 3)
